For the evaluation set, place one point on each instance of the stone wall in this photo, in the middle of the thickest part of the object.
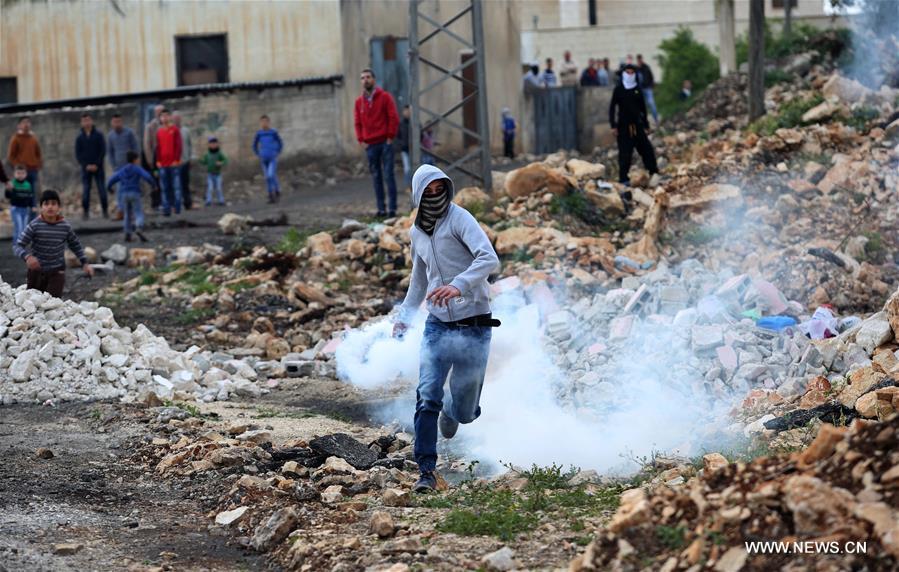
(306, 116)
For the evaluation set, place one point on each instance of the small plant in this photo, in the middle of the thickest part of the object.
(789, 115)
(191, 409)
(551, 477)
(238, 287)
(672, 537)
(194, 315)
(874, 248)
(861, 117)
(521, 255)
(776, 76)
(148, 277)
(292, 241)
(197, 281)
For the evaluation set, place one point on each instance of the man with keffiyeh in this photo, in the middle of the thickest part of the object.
(451, 260)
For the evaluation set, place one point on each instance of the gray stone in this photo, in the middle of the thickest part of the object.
(116, 253)
(276, 528)
(706, 338)
(500, 561)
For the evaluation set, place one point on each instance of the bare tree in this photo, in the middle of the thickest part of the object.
(756, 59)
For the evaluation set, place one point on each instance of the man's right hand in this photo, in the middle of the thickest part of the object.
(399, 329)
(32, 263)
(8, 184)
(364, 144)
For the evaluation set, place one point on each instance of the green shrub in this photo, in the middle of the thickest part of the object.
(789, 115)
(777, 45)
(683, 57)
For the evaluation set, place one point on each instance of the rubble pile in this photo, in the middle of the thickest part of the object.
(309, 504)
(57, 350)
(819, 502)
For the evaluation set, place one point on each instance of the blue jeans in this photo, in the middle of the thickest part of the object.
(270, 170)
(170, 181)
(214, 183)
(132, 207)
(380, 163)
(86, 178)
(32, 177)
(465, 350)
(651, 103)
(21, 216)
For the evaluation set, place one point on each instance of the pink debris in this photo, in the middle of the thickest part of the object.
(331, 346)
(620, 327)
(596, 348)
(771, 295)
(728, 357)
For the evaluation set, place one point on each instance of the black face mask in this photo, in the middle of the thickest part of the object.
(430, 210)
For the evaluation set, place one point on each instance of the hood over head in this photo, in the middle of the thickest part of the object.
(424, 176)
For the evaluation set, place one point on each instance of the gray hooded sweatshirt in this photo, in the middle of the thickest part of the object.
(458, 253)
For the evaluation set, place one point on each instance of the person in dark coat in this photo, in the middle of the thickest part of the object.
(90, 151)
(627, 115)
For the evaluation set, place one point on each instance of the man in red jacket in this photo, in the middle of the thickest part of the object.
(377, 123)
(168, 160)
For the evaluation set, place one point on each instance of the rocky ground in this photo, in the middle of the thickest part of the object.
(740, 301)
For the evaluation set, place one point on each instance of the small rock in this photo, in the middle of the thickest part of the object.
(67, 548)
(395, 498)
(499, 561)
(381, 523)
(229, 517)
(44, 453)
(276, 528)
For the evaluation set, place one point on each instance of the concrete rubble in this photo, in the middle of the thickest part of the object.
(58, 350)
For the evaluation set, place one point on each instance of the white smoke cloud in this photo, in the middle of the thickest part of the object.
(655, 404)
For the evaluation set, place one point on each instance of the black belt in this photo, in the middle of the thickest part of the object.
(483, 320)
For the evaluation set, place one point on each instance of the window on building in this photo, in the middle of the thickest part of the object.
(781, 4)
(591, 12)
(9, 91)
(202, 59)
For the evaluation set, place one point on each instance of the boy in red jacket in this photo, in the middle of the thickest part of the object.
(168, 160)
(377, 123)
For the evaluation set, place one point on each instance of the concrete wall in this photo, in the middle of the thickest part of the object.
(593, 118)
(82, 48)
(363, 20)
(306, 117)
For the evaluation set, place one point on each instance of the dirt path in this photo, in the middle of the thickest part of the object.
(114, 514)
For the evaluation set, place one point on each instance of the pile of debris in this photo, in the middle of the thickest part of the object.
(833, 505)
(53, 349)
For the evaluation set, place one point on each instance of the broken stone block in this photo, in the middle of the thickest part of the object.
(276, 528)
(321, 244)
(620, 327)
(470, 196)
(874, 332)
(229, 517)
(67, 548)
(395, 498)
(142, 258)
(706, 338)
(381, 524)
(714, 461)
(117, 253)
(673, 299)
(585, 170)
(533, 178)
(345, 447)
(231, 223)
(500, 561)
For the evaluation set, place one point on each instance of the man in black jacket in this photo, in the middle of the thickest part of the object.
(90, 150)
(630, 124)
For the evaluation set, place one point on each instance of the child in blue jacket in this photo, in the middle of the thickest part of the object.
(268, 145)
(129, 196)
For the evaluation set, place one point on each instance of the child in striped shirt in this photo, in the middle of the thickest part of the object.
(42, 245)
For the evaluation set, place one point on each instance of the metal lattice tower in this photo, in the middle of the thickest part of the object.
(475, 161)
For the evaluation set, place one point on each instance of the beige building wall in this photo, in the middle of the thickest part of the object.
(83, 48)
